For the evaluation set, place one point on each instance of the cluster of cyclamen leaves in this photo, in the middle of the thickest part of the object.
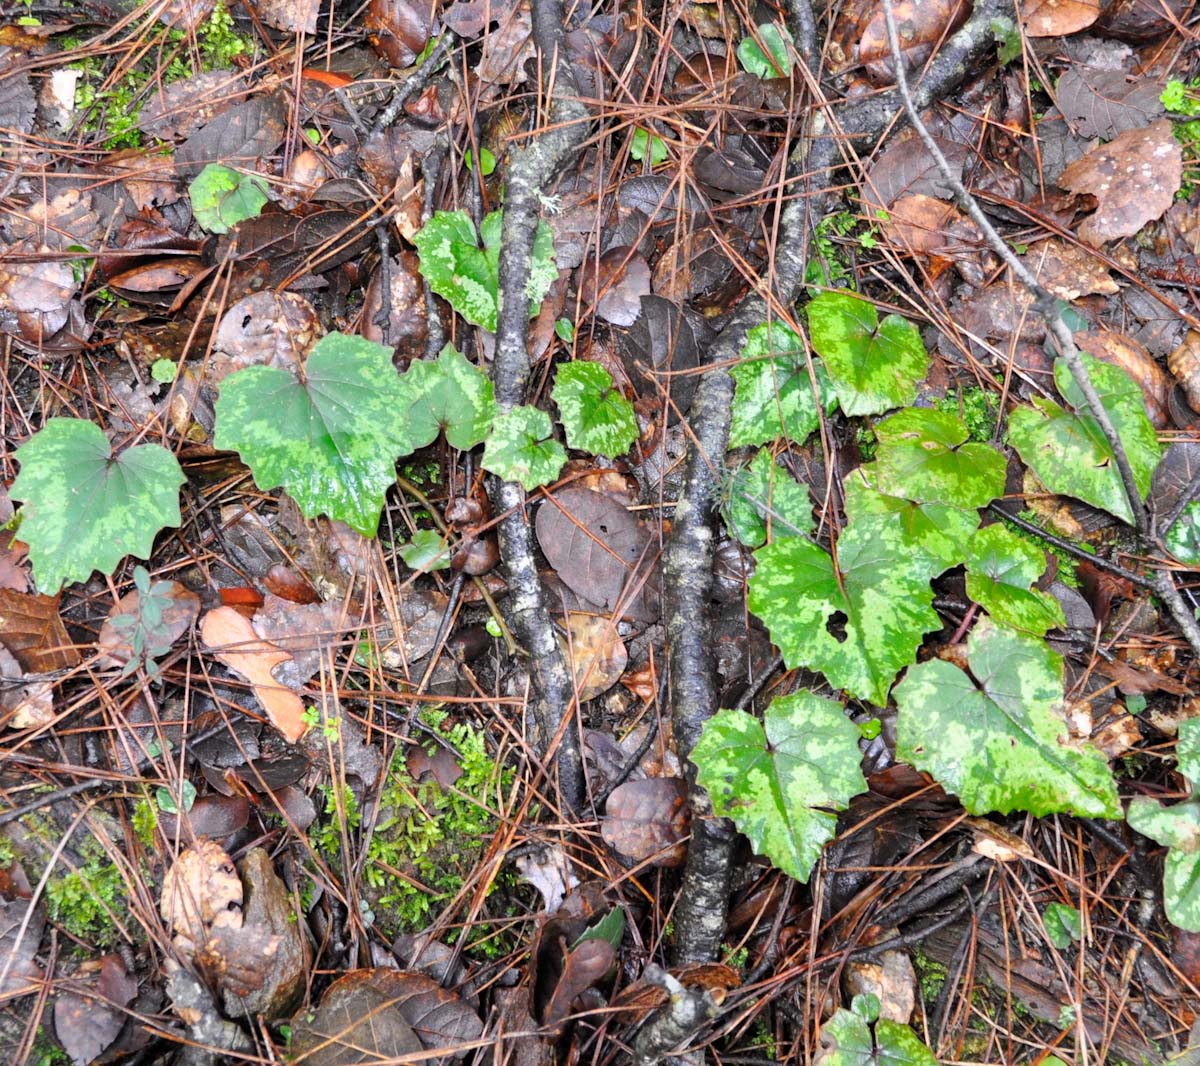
(996, 735)
(329, 434)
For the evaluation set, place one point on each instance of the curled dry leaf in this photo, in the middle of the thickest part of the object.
(201, 892)
(643, 997)
(939, 231)
(595, 651)
(648, 822)
(233, 641)
(1054, 18)
(1134, 179)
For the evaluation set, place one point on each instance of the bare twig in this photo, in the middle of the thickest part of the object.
(686, 1012)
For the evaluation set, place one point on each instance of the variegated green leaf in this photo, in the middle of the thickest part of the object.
(85, 508)
(935, 529)
(781, 779)
(449, 394)
(1070, 453)
(924, 456)
(858, 626)
(1001, 567)
(332, 440)
(596, 417)
(773, 390)
(522, 449)
(761, 495)
(874, 366)
(997, 737)
(847, 1039)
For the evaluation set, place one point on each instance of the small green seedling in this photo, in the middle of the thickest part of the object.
(221, 198)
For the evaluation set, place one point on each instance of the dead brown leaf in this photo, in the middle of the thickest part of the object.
(1054, 18)
(30, 627)
(648, 821)
(595, 651)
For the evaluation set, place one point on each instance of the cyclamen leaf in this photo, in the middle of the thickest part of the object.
(1069, 451)
(597, 418)
(924, 455)
(935, 529)
(763, 494)
(996, 737)
(874, 365)
(848, 1039)
(776, 62)
(85, 508)
(779, 780)
(221, 197)
(773, 392)
(1063, 923)
(522, 449)
(447, 393)
(885, 610)
(332, 440)
(426, 552)
(1000, 569)
(468, 276)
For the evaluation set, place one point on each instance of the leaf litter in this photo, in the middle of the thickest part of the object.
(266, 612)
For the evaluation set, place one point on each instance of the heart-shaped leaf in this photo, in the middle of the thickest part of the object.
(874, 365)
(935, 529)
(1070, 453)
(468, 276)
(450, 394)
(86, 508)
(221, 198)
(597, 418)
(331, 440)
(859, 625)
(763, 495)
(776, 61)
(773, 390)
(522, 449)
(781, 779)
(1000, 568)
(997, 737)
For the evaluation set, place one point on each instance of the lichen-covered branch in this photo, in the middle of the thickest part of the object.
(532, 168)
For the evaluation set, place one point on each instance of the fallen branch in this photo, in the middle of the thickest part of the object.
(532, 168)
(688, 559)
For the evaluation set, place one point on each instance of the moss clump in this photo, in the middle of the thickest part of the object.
(978, 409)
(81, 900)
(427, 838)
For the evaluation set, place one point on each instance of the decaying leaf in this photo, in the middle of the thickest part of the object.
(1103, 103)
(231, 637)
(595, 651)
(30, 628)
(1054, 18)
(1134, 179)
(88, 1018)
(647, 822)
(921, 25)
(264, 329)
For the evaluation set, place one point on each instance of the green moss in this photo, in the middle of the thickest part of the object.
(427, 839)
(1068, 573)
(80, 900)
(46, 1051)
(145, 822)
(930, 974)
(978, 409)
(114, 110)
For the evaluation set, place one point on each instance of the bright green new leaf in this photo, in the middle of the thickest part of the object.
(643, 143)
(1063, 924)
(85, 508)
(221, 198)
(487, 161)
(1177, 828)
(761, 495)
(522, 449)
(781, 779)
(776, 61)
(937, 530)
(467, 275)
(597, 418)
(426, 552)
(1069, 451)
(997, 737)
(447, 393)
(924, 456)
(331, 440)
(874, 365)
(164, 370)
(1000, 568)
(773, 391)
(847, 1039)
(858, 638)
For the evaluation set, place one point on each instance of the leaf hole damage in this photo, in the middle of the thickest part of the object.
(836, 626)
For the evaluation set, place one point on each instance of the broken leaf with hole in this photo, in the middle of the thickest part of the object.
(781, 780)
(859, 624)
(774, 394)
(330, 438)
(86, 508)
(1067, 449)
(997, 737)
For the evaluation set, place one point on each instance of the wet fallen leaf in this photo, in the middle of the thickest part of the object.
(1117, 349)
(615, 284)
(549, 870)
(648, 822)
(265, 329)
(291, 16)
(87, 1021)
(1054, 18)
(233, 641)
(925, 227)
(30, 627)
(1184, 363)
(1103, 103)
(1134, 179)
(1069, 271)
(891, 979)
(921, 25)
(178, 615)
(34, 296)
(201, 892)
(397, 29)
(26, 700)
(595, 651)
